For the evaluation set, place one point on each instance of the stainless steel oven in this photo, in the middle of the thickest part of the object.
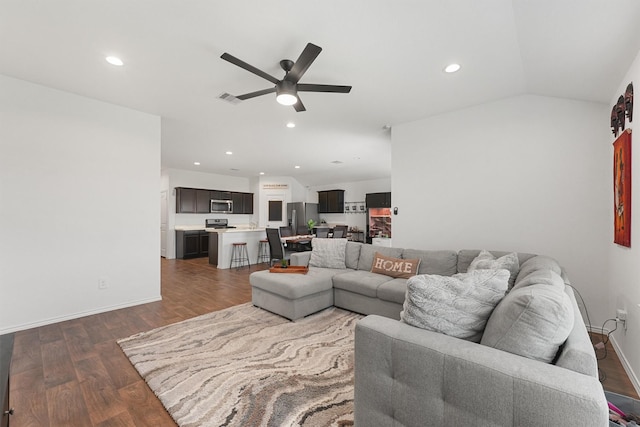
(221, 206)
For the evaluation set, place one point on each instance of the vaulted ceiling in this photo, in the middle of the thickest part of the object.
(391, 52)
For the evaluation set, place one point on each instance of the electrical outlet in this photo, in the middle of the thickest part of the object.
(621, 314)
(102, 283)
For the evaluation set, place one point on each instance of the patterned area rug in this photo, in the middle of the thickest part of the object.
(244, 366)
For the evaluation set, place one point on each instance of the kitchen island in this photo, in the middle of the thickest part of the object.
(221, 241)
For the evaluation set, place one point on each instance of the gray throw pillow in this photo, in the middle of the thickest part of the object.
(531, 321)
(457, 305)
(328, 253)
(485, 261)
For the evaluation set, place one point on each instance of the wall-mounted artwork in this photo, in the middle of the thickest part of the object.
(622, 189)
(622, 111)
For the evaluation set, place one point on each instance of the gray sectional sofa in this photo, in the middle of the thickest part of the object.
(409, 376)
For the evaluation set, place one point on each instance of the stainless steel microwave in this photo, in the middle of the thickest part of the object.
(222, 206)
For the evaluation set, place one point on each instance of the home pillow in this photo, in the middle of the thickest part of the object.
(486, 261)
(531, 321)
(457, 305)
(394, 267)
(328, 253)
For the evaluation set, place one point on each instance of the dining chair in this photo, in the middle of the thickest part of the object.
(276, 248)
(286, 231)
(340, 231)
(322, 232)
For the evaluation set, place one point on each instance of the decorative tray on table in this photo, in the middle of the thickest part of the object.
(296, 269)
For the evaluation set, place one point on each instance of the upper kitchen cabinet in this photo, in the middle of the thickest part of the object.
(331, 201)
(196, 200)
(203, 201)
(221, 195)
(378, 200)
(242, 203)
(192, 200)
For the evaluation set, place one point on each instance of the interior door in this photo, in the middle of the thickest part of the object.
(163, 223)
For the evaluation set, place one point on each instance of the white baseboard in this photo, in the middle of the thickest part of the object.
(623, 359)
(24, 326)
(625, 364)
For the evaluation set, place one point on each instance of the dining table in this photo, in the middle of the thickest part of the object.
(298, 243)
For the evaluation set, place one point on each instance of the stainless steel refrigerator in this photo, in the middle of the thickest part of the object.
(299, 214)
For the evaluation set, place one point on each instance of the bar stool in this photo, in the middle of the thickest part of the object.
(263, 251)
(239, 255)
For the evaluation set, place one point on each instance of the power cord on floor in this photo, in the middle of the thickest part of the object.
(601, 345)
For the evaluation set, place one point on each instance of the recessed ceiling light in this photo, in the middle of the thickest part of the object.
(114, 60)
(452, 68)
(291, 125)
(196, 163)
(228, 152)
(297, 167)
(261, 173)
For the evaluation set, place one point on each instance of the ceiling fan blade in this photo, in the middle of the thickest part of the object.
(250, 68)
(256, 93)
(323, 88)
(308, 55)
(299, 106)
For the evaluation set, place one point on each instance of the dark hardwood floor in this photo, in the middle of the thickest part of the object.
(74, 374)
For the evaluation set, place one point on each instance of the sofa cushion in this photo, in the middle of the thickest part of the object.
(531, 321)
(487, 261)
(394, 267)
(393, 290)
(541, 277)
(367, 253)
(465, 256)
(457, 305)
(443, 263)
(537, 263)
(360, 282)
(352, 254)
(328, 253)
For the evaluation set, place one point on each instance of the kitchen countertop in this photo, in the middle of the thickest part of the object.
(215, 230)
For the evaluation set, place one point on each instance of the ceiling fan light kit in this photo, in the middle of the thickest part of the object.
(286, 93)
(287, 89)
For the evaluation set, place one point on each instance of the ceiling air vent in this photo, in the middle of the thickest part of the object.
(229, 98)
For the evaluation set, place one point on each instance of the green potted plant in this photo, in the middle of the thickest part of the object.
(310, 224)
(283, 263)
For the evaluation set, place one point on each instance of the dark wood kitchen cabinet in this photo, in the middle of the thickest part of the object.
(331, 201)
(185, 200)
(378, 200)
(220, 195)
(192, 244)
(203, 201)
(193, 200)
(198, 200)
(242, 203)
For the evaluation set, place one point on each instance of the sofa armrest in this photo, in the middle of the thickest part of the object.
(413, 377)
(300, 258)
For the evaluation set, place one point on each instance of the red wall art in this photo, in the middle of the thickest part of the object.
(622, 189)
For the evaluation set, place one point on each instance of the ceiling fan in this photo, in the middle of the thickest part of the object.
(287, 89)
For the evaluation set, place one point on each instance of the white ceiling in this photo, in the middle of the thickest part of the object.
(391, 52)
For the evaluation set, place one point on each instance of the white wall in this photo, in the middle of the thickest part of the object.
(529, 174)
(623, 281)
(353, 192)
(79, 198)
